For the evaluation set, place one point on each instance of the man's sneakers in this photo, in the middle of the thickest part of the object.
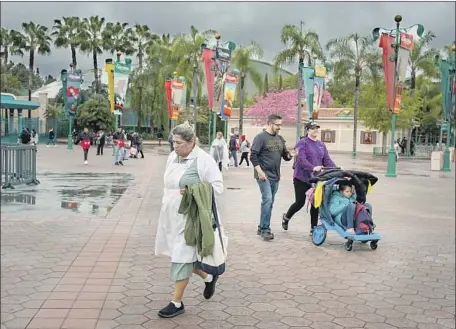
(171, 310)
(265, 235)
(210, 287)
(86, 162)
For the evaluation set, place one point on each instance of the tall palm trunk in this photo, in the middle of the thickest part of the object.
(95, 71)
(73, 56)
(355, 114)
(241, 106)
(31, 73)
(6, 57)
(139, 110)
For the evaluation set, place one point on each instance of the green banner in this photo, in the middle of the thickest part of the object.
(122, 71)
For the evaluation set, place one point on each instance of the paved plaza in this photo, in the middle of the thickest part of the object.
(84, 268)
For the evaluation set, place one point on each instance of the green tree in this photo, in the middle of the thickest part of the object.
(67, 33)
(92, 42)
(373, 109)
(9, 83)
(242, 59)
(187, 49)
(22, 73)
(265, 84)
(10, 44)
(118, 38)
(35, 39)
(354, 54)
(422, 59)
(54, 111)
(95, 114)
(142, 39)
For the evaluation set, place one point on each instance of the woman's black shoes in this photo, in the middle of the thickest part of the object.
(210, 288)
(285, 221)
(171, 311)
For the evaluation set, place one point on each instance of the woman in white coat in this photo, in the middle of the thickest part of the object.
(187, 165)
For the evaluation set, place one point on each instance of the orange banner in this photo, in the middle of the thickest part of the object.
(406, 41)
(398, 99)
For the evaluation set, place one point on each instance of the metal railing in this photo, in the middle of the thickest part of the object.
(18, 165)
(420, 151)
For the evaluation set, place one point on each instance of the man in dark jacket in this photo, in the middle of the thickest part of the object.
(267, 151)
(101, 142)
(233, 149)
(51, 137)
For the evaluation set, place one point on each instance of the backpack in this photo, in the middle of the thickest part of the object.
(363, 222)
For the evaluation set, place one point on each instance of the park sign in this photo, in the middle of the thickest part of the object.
(122, 73)
(73, 91)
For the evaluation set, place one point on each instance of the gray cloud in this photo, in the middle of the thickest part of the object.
(237, 21)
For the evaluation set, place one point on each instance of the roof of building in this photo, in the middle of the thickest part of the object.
(9, 101)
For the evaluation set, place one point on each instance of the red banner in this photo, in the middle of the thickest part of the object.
(386, 42)
(168, 97)
(207, 57)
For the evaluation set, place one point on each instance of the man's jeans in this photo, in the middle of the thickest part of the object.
(268, 189)
(118, 153)
(51, 140)
(234, 155)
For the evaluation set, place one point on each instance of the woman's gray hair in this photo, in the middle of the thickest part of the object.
(185, 131)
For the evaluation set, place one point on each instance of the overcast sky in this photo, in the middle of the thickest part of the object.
(237, 21)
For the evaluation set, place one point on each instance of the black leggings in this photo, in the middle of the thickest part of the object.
(220, 166)
(300, 199)
(86, 152)
(244, 155)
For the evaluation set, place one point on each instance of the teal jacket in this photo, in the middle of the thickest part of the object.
(196, 205)
(338, 203)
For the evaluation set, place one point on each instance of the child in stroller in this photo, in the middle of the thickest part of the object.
(341, 213)
(340, 200)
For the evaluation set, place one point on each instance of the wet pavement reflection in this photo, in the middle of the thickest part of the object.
(84, 193)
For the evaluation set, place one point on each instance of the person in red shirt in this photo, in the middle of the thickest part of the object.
(86, 139)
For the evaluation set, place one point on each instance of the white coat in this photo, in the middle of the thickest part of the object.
(170, 239)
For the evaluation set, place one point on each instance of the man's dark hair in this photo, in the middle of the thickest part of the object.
(274, 117)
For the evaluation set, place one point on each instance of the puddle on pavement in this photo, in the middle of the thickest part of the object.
(86, 194)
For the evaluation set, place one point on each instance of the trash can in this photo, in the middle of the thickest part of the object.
(436, 161)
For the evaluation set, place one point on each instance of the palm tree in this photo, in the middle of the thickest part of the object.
(67, 33)
(303, 45)
(243, 60)
(142, 39)
(8, 42)
(422, 58)
(35, 38)
(188, 49)
(118, 38)
(353, 54)
(92, 42)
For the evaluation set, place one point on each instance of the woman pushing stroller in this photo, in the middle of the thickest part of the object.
(312, 156)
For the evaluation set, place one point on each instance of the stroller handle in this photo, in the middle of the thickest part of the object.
(327, 168)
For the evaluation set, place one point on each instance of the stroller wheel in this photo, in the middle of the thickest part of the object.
(348, 245)
(373, 245)
(319, 235)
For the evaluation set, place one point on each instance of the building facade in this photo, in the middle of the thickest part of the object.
(336, 131)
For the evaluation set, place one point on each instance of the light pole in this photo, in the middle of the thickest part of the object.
(306, 77)
(447, 74)
(64, 79)
(395, 80)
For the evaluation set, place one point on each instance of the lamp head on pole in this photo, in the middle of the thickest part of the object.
(217, 36)
(453, 47)
(398, 18)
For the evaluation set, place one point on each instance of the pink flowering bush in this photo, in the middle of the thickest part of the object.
(283, 103)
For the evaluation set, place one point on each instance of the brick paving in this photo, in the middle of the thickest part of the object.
(77, 271)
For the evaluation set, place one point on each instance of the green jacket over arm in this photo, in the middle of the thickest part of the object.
(196, 205)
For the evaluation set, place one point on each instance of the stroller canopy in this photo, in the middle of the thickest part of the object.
(359, 179)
